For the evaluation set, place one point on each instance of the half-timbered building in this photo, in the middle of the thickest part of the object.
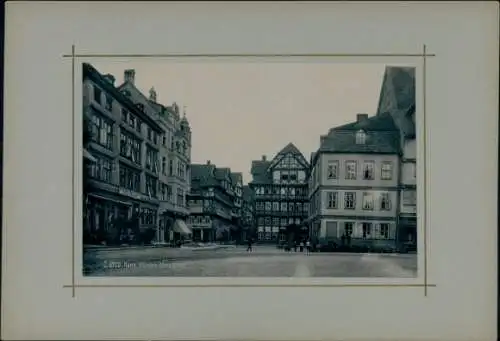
(280, 190)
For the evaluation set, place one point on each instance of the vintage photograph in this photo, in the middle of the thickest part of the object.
(249, 169)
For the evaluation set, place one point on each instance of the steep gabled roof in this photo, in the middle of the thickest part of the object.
(236, 177)
(382, 137)
(222, 173)
(259, 172)
(382, 122)
(203, 175)
(397, 97)
(290, 148)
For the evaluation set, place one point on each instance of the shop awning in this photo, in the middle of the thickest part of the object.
(181, 227)
(88, 156)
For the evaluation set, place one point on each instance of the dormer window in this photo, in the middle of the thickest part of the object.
(360, 137)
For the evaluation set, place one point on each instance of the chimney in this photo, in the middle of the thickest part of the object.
(110, 78)
(362, 117)
(264, 158)
(208, 162)
(129, 75)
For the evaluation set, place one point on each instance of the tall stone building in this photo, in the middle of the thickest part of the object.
(151, 148)
(363, 178)
(121, 179)
(280, 190)
(353, 187)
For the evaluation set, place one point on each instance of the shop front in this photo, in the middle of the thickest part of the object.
(103, 212)
(407, 233)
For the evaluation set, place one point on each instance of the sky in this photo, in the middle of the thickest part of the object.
(239, 111)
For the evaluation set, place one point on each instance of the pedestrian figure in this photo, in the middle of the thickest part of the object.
(249, 248)
(301, 246)
(343, 240)
(295, 245)
(308, 246)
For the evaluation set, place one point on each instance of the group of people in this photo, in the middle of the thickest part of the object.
(303, 245)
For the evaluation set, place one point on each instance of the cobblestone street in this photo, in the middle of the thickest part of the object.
(263, 261)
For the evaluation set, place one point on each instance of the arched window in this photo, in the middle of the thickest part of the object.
(360, 137)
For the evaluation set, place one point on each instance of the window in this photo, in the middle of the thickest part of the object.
(109, 103)
(283, 191)
(152, 136)
(138, 125)
(331, 199)
(164, 165)
(276, 206)
(369, 170)
(163, 192)
(164, 140)
(385, 202)
(181, 169)
(283, 222)
(332, 170)
(101, 132)
(101, 169)
(130, 178)
(349, 200)
(130, 148)
(97, 94)
(409, 198)
(151, 186)
(152, 159)
(276, 221)
(350, 170)
(367, 229)
(259, 205)
(180, 197)
(268, 205)
(261, 221)
(386, 171)
(267, 221)
(170, 167)
(368, 201)
(284, 207)
(284, 177)
(348, 227)
(124, 115)
(384, 231)
(414, 171)
(148, 216)
(360, 137)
